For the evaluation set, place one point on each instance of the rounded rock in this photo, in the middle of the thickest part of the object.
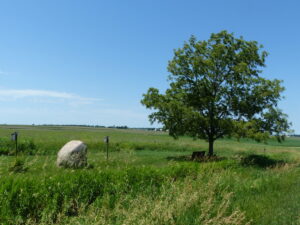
(72, 155)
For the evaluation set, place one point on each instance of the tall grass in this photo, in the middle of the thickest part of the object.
(183, 202)
(223, 192)
(26, 198)
(177, 195)
(148, 179)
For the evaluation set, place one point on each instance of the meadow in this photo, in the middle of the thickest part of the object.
(148, 179)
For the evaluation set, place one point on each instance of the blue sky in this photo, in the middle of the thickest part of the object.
(89, 62)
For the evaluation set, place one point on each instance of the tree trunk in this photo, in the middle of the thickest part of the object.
(211, 148)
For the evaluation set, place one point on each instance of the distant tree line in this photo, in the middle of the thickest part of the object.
(93, 126)
(70, 125)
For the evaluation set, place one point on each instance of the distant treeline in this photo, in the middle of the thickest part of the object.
(84, 125)
(295, 135)
(93, 126)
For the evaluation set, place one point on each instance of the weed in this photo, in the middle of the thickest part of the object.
(18, 166)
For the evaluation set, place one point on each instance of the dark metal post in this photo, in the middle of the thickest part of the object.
(16, 144)
(106, 140)
(106, 150)
(14, 137)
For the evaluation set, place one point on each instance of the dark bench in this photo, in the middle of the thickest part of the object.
(198, 155)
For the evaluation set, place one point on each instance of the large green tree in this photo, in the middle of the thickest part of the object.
(216, 90)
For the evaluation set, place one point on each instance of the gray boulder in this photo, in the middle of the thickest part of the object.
(72, 155)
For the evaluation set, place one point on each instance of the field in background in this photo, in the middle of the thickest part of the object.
(148, 179)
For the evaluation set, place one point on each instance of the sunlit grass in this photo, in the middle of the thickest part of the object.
(148, 179)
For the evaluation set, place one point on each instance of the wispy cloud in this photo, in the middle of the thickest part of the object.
(73, 99)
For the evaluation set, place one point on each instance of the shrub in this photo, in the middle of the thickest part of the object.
(261, 161)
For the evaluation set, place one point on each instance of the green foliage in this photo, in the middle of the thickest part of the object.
(216, 90)
(35, 147)
(26, 146)
(18, 166)
(148, 181)
(261, 161)
(44, 199)
(5, 146)
(191, 192)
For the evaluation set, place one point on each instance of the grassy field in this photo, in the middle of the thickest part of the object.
(148, 179)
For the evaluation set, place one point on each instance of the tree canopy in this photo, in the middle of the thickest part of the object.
(216, 90)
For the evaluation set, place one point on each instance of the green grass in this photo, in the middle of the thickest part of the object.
(147, 180)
